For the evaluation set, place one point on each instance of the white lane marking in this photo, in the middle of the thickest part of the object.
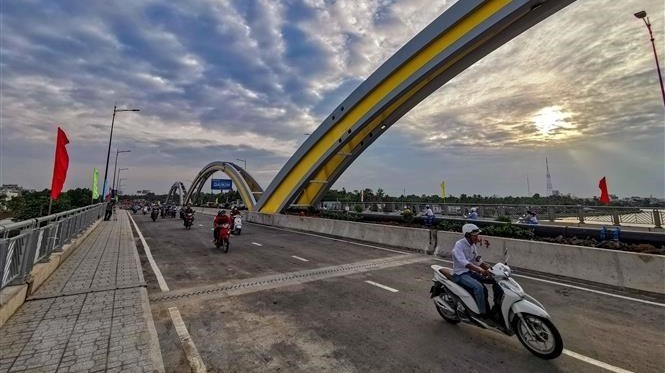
(580, 288)
(335, 239)
(595, 362)
(148, 254)
(256, 243)
(382, 286)
(200, 225)
(193, 356)
(299, 258)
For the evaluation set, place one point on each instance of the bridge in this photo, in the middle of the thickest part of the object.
(79, 294)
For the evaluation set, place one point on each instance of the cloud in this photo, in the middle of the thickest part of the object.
(219, 80)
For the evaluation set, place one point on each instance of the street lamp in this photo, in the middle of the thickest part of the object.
(121, 179)
(120, 183)
(244, 163)
(108, 152)
(115, 168)
(643, 16)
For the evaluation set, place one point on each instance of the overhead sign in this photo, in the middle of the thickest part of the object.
(221, 184)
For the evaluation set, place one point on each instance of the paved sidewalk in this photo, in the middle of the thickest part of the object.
(91, 315)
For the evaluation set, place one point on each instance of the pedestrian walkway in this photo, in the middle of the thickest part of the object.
(91, 315)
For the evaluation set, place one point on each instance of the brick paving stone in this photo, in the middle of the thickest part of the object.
(100, 329)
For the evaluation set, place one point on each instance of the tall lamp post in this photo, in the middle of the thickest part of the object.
(115, 168)
(244, 162)
(108, 152)
(643, 16)
(119, 178)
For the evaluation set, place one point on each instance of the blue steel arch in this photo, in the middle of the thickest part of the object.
(249, 188)
(462, 35)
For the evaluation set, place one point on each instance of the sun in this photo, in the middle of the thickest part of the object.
(549, 119)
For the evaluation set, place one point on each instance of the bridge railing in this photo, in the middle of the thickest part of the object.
(652, 217)
(25, 243)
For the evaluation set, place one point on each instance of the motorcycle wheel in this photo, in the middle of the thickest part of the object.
(451, 318)
(226, 246)
(551, 345)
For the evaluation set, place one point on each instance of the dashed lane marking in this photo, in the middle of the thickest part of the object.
(299, 258)
(382, 286)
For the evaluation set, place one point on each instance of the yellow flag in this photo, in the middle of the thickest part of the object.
(443, 189)
(95, 181)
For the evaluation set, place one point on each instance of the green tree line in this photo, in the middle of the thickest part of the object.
(35, 204)
(370, 195)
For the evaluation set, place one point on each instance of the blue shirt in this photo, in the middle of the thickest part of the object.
(463, 254)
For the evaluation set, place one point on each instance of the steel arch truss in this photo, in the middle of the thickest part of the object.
(465, 33)
(248, 188)
(178, 191)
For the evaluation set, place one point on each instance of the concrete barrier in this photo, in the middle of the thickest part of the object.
(612, 267)
(414, 239)
(617, 268)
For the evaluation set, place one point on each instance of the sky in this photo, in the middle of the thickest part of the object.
(226, 80)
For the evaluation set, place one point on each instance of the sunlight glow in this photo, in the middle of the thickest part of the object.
(552, 122)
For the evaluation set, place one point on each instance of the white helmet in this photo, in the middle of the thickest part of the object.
(474, 209)
(470, 229)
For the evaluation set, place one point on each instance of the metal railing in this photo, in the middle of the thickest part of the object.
(25, 243)
(651, 217)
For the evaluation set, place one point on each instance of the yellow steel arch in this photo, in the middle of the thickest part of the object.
(462, 35)
(246, 185)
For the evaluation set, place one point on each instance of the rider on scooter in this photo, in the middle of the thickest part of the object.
(220, 219)
(470, 272)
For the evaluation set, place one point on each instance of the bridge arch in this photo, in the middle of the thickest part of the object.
(462, 35)
(178, 191)
(249, 189)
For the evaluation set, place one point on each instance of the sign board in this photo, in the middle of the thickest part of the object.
(220, 184)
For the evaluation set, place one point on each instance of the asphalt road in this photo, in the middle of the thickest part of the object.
(338, 322)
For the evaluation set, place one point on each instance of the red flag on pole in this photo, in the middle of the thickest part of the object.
(61, 164)
(604, 195)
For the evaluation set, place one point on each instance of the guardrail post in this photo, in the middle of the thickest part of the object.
(580, 214)
(615, 218)
(656, 219)
(27, 256)
(4, 251)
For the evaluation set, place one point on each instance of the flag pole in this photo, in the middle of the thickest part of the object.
(50, 203)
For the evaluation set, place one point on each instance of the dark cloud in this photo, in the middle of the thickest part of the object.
(226, 80)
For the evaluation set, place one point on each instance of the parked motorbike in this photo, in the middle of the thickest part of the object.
(519, 314)
(223, 236)
(188, 220)
(154, 214)
(237, 224)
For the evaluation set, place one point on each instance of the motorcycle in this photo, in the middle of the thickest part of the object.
(519, 313)
(223, 235)
(154, 214)
(237, 224)
(188, 220)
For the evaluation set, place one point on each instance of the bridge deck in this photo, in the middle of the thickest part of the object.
(91, 315)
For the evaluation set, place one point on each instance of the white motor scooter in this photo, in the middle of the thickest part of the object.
(237, 224)
(521, 314)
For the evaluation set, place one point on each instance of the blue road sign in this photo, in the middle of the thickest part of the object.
(220, 184)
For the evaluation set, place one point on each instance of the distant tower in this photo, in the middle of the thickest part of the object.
(528, 186)
(549, 178)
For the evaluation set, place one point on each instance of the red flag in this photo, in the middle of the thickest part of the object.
(61, 164)
(604, 196)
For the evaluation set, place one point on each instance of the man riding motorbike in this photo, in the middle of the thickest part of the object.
(220, 219)
(471, 273)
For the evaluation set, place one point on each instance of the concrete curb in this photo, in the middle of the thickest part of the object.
(13, 297)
